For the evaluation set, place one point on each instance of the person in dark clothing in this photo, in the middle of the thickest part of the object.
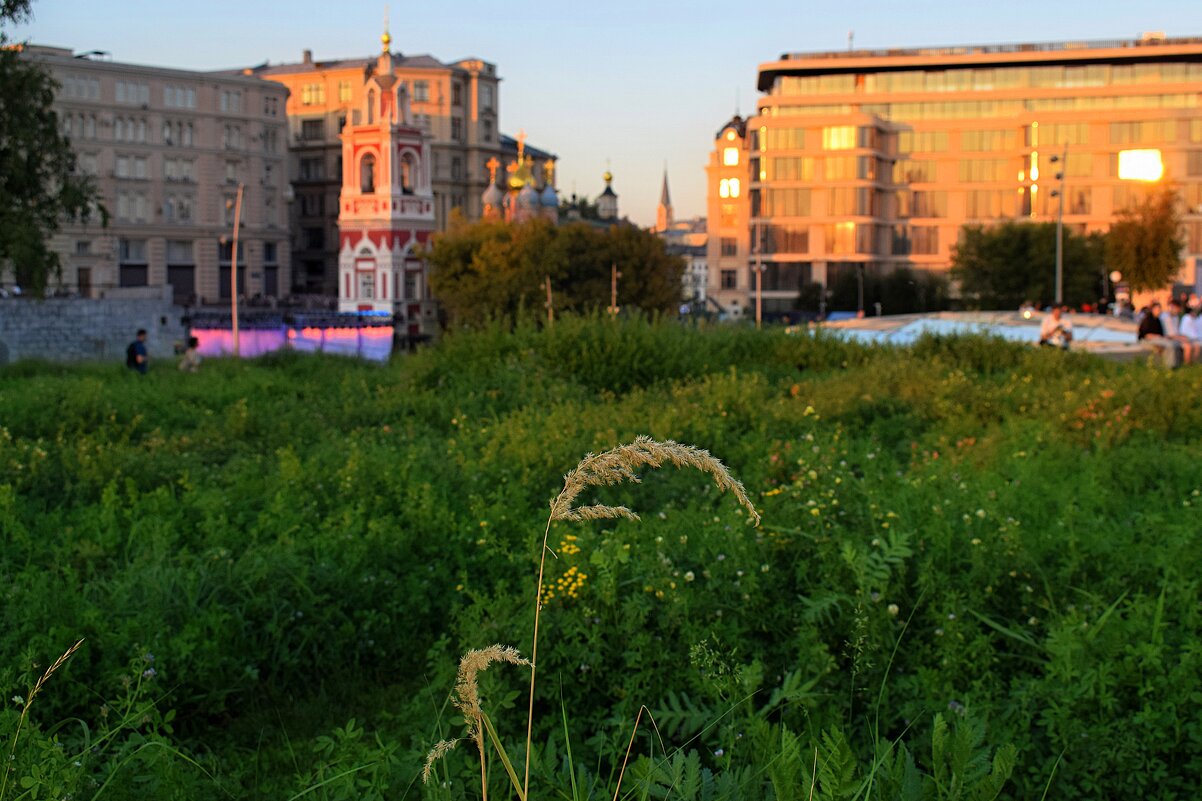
(135, 354)
(1150, 325)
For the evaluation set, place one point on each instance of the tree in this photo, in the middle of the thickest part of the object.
(39, 185)
(1144, 243)
(496, 269)
(900, 291)
(1006, 265)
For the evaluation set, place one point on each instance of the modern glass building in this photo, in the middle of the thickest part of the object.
(874, 160)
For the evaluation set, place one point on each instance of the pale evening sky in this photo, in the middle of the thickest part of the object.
(631, 85)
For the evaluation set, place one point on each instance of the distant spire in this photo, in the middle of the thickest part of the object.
(663, 213)
(386, 39)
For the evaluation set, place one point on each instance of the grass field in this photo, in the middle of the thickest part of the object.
(977, 572)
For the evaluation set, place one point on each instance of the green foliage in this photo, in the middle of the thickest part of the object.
(965, 544)
(490, 269)
(39, 183)
(1003, 266)
(900, 291)
(1144, 242)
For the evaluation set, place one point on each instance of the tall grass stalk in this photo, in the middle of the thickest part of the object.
(33, 693)
(614, 466)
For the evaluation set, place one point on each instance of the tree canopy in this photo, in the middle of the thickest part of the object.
(1003, 266)
(496, 269)
(39, 185)
(1144, 242)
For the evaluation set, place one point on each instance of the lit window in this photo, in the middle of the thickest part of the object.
(1140, 165)
(840, 137)
(730, 157)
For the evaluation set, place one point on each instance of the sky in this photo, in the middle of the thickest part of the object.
(633, 87)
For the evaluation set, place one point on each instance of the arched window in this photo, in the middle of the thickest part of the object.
(371, 106)
(408, 172)
(367, 174)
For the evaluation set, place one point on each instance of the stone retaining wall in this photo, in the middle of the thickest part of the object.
(86, 329)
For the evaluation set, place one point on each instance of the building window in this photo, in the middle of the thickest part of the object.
(179, 96)
(177, 208)
(839, 137)
(315, 238)
(132, 167)
(457, 129)
(230, 101)
(486, 98)
(457, 168)
(312, 130)
(178, 170)
(312, 205)
(271, 106)
(728, 187)
(132, 206)
(133, 93)
(131, 255)
(313, 94)
(344, 91)
(730, 157)
(312, 169)
(729, 246)
(421, 91)
(271, 140)
(456, 94)
(367, 174)
(730, 279)
(924, 240)
(231, 138)
(367, 285)
(486, 127)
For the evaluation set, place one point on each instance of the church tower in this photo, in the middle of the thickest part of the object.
(607, 202)
(386, 207)
(663, 213)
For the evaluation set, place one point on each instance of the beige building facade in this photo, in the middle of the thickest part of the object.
(167, 150)
(873, 160)
(457, 105)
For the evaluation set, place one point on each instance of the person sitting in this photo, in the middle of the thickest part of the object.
(1056, 330)
(1170, 322)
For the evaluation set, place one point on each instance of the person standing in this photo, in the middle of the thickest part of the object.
(135, 355)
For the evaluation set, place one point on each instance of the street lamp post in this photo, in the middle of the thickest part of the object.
(1059, 193)
(234, 267)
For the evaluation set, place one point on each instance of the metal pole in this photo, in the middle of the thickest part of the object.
(234, 269)
(1060, 231)
(860, 289)
(759, 293)
(614, 275)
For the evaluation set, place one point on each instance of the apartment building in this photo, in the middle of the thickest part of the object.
(457, 104)
(167, 149)
(872, 160)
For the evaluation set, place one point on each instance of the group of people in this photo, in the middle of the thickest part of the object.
(1176, 326)
(137, 358)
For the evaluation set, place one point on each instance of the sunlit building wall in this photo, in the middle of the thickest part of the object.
(872, 160)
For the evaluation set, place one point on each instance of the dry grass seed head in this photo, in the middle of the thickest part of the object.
(618, 465)
(467, 691)
(436, 753)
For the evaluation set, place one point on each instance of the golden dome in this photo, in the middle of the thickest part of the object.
(386, 40)
(608, 176)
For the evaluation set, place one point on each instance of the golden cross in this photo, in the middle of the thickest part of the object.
(492, 165)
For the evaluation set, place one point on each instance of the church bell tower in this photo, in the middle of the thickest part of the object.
(386, 206)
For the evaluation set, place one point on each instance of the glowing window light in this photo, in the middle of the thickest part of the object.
(1140, 165)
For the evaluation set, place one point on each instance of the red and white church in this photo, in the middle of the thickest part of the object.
(386, 206)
